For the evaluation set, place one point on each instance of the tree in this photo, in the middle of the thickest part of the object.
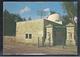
(52, 12)
(66, 19)
(9, 20)
(70, 8)
(24, 19)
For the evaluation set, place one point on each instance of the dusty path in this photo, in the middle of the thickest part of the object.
(10, 47)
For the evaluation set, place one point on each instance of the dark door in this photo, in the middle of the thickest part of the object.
(59, 36)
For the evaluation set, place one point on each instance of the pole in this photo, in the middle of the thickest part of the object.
(38, 42)
(42, 41)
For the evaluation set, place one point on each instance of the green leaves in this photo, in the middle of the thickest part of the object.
(52, 12)
(71, 9)
(9, 23)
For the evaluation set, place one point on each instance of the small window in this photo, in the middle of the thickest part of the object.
(26, 35)
(30, 36)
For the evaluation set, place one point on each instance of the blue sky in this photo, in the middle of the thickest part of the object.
(27, 9)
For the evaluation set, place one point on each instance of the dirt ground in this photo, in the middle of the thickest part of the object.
(11, 47)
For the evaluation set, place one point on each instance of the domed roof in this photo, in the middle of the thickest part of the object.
(54, 17)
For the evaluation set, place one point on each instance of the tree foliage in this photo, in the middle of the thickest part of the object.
(9, 23)
(66, 20)
(52, 12)
(71, 9)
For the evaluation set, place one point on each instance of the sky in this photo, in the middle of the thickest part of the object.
(31, 9)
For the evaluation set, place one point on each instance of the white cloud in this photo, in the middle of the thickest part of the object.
(46, 9)
(25, 9)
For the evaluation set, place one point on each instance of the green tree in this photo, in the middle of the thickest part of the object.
(24, 19)
(71, 9)
(9, 23)
(66, 19)
(52, 12)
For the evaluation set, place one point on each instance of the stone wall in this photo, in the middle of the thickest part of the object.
(34, 27)
(70, 28)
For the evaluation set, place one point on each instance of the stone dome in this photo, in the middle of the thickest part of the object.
(55, 18)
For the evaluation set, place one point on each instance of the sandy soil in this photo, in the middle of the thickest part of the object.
(11, 47)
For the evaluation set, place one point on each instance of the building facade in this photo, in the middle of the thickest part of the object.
(45, 32)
